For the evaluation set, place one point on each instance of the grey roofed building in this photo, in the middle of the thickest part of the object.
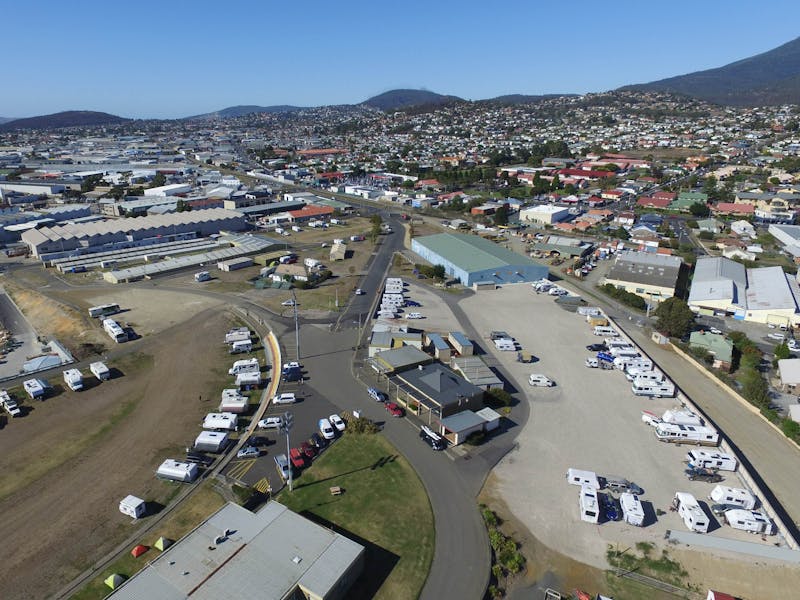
(472, 259)
(239, 555)
(788, 235)
(769, 288)
(646, 268)
(717, 279)
(477, 372)
(564, 246)
(458, 427)
(439, 390)
(399, 359)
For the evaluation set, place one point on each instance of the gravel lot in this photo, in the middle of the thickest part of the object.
(591, 421)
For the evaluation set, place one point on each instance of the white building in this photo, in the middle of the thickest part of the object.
(544, 214)
(169, 190)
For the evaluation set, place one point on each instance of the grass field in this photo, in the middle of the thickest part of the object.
(383, 506)
(193, 511)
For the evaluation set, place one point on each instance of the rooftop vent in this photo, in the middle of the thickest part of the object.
(296, 560)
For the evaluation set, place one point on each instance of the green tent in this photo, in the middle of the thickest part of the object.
(163, 543)
(114, 580)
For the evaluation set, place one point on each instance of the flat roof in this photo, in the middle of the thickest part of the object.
(471, 252)
(462, 421)
(476, 371)
(646, 268)
(768, 289)
(236, 554)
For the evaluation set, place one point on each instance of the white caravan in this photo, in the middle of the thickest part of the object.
(710, 459)
(225, 420)
(176, 470)
(688, 434)
(651, 388)
(100, 370)
(73, 379)
(249, 365)
(132, 506)
(589, 506)
(582, 478)
(632, 511)
(605, 330)
(722, 494)
(681, 416)
(690, 511)
(749, 520)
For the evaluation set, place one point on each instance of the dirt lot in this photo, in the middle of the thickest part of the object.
(75, 455)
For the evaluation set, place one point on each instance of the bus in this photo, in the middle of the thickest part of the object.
(104, 310)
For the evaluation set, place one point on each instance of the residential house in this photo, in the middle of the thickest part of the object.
(717, 345)
(733, 209)
(710, 225)
(625, 218)
(743, 229)
(653, 202)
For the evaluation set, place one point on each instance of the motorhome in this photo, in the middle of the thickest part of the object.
(115, 331)
(505, 345)
(35, 388)
(651, 388)
(605, 330)
(632, 511)
(104, 310)
(749, 520)
(691, 512)
(711, 459)
(682, 416)
(722, 494)
(589, 506)
(73, 379)
(249, 365)
(687, 434)
(580, 477)
(176, 470)
(100, 370)
(132, 506)
(239, 334)
(539, 380)
(9, 404)
(241, 347)
(225, 421)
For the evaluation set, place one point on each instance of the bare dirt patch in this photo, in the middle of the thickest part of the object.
(58, 520)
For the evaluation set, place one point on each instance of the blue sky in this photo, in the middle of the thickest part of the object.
(175, 58)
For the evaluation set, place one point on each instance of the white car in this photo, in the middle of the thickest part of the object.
(337, 422)
(359, 292)
(794, 345)
(291, 365)
(288, 303)
(776, 336)
(285, 398)
(714, 330)
(326, 430)
(270, 423)
(414, 315)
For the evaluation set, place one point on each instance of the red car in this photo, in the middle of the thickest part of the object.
(308, 450)
(393, 409)
(297, 459)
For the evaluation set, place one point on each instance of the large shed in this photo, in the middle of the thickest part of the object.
(472, 259)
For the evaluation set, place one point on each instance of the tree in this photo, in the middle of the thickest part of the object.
(699, 209)
(622, 233)
(158, 180)
(501, 215)
(674, 317)
(782, 351)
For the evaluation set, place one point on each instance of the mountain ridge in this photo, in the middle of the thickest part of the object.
(67, 118)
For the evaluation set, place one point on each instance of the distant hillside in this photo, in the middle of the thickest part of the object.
(70, 118)
(240, 111)
(399, 99)
(524, 99)
(6, 119)
(765, 79)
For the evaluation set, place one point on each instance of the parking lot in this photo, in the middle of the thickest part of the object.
(590, 420)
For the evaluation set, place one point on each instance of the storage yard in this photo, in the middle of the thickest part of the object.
(590, 420)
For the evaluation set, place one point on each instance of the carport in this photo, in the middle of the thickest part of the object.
(458, 427)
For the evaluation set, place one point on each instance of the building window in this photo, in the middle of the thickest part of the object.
(640, 290)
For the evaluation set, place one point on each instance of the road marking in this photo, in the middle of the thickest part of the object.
(262, 485)
(240, 468)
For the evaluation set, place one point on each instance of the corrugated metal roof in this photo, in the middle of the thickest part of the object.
(472, 253)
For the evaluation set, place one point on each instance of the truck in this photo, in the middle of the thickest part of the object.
(709, 459)
(751, 521)
(722, 494)
(100, 370)
(249, 365)
(690, 511)
(651, 388)
(177, 470)
(73, 379)
(688, 434)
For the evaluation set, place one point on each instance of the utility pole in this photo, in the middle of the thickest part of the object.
(288, 422)
(296, 326)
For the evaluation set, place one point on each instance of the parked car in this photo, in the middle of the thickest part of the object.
(337, 422)
(376, 394)
(285, 398)
(290, 365)
(296, 456)
(703, 474)
(326, 429)
(413, 303)
(317, 441)
(776, 336)
(610, 509)
(257, 440)
(393, 409)
(359, 291)
(597, 348)
(414, 315)
(270, 423)
(715, 330)
(794, 345)
(282, 463)
(308, 449)
(248, 452)
(293, 375)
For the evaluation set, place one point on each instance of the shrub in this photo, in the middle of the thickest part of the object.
(496, 398)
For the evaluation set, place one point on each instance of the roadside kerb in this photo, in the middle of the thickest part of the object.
(724, 445)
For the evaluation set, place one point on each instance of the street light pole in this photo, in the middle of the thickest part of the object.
(288, 422)
(296, 326)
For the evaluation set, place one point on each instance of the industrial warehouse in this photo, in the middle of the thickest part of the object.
(476, 261)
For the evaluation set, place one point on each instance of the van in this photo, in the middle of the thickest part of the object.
(282, 463)
(239, 347)
(580, 477)
(605, 330)
(539, 380)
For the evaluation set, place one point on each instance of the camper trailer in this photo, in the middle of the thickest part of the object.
(241, 347)
(211, 441)
(709, 459)
(605, 330)
(686, 434)
(132, 506)
(648, 375)
(233, 402)
(217, 421)
(34, 388)
(749, 520)
(722, 494)
(579, 477)
(176, 470)
(73, 379)
(690, 511)
(238, 334)
(681, 416)
(248, 380)
(589, 506)
(652, 388)
(632, 511)
(115, 331)
(537, 379)
(249, 365)
(100, 370)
